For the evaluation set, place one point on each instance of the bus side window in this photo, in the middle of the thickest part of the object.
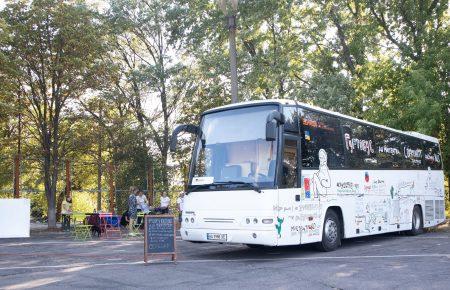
(289, 166)
(388, 149)
(412, 153)
(359, 145)
(321, 131)
(432, 156)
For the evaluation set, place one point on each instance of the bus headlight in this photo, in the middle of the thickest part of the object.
(186, 220)
(255, 220)
(247, 220)
(192, 220)
(267, 221)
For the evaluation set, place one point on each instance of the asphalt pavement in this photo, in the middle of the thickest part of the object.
(389, 261)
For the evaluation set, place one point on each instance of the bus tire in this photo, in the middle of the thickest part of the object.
(417, 222)
(331, 232)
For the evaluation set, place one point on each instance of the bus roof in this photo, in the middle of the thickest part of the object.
(301, 104)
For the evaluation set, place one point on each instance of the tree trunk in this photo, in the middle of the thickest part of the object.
(164, 171)
(52, 198)
(51, 167)
(48, 184)
(59, 201)
(99, 177)
(165, 144)
(51, 213)
(150, 183)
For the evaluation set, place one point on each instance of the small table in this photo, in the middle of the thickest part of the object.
(110, 225)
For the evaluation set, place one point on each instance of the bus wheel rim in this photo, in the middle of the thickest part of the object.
(331, 231)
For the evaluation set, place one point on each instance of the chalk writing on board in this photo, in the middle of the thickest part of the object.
(160, 235)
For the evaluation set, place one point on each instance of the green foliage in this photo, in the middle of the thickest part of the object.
(385, 61)
(333, 92)
(50, 52)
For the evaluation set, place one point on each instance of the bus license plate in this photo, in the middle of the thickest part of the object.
(216, 237)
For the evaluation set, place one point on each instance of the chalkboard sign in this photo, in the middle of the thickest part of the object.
(160, 235)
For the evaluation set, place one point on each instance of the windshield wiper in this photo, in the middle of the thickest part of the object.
(245, 184)
(201, 186)
(240, 183)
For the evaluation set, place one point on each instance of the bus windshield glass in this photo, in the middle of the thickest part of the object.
(235, 148)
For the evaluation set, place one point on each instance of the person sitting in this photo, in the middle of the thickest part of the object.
(141, 200)
(124, 220)
(164, 203)
(94, 221)
(146, 208)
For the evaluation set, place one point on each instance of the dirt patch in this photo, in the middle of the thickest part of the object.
(442, 228)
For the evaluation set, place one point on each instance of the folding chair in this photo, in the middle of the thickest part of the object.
(110, 225)
(81, 231)
(136, 228)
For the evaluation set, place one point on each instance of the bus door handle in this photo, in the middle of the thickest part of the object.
(297, 197)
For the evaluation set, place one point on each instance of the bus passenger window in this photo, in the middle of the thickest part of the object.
(359, 145)
(388, 149)
(432, 156)
(413, 153)
(320, 131)
(289, 167)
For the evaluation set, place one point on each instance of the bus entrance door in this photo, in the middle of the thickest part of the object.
(289, 194)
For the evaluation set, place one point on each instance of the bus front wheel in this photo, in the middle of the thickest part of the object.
(331, 233)
(417, 222)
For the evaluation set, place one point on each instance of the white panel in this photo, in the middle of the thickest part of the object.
(15, 218)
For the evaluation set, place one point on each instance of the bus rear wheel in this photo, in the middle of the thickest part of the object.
(331, 233)
(417, 222)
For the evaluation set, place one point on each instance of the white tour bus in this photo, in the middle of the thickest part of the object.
(280, 172)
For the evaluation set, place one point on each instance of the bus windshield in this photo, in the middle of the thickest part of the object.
(235, 149)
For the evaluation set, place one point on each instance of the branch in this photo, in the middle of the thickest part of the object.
(341, 34)
(382, 22)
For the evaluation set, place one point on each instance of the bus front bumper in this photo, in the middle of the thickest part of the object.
(257, 237)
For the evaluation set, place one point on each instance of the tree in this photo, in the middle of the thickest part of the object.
(51, 52)
(386, 61)
(418, 32)
(149, 72)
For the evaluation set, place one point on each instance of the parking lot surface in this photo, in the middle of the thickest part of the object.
(390, 261)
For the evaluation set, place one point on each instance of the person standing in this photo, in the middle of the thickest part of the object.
(165, 202)
(132, 207)
(180, 201)
(66, 211)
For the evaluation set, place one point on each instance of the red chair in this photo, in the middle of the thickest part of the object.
(110, 225)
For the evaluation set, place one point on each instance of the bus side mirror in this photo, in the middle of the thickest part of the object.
(274, 119)
(193, 129)
(271, 131)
